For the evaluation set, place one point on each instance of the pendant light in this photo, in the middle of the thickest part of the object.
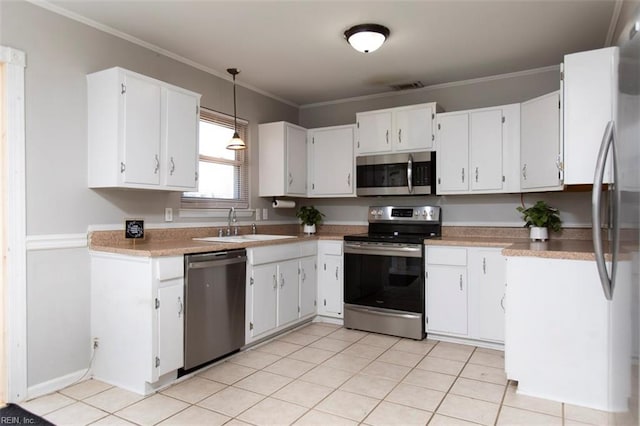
(235, 143)
(367, 38)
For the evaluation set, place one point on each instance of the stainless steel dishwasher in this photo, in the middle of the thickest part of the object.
(214, 305)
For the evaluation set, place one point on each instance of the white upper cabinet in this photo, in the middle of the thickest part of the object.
(142, 133)
(590, 84)
(540, 144)
(452, 164)
(331, 162)
(282, 159)
(408, 128)
(180, 139)
(478, 150)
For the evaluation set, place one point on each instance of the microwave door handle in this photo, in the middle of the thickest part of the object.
(410, 173)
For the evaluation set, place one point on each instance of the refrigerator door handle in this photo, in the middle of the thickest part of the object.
(608, 142)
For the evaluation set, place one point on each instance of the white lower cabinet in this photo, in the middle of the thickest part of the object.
(330, 278)
(280, 288)
(137, 318)
(564, 340)
(465, 292)
(308, 286)
(486, 269)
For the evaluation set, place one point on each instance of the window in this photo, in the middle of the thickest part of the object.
(222, 173)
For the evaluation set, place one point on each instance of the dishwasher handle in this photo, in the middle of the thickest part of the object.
(216, 262)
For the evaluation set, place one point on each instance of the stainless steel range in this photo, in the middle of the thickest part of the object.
(384, 271)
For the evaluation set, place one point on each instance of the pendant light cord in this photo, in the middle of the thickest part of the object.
(235, 115)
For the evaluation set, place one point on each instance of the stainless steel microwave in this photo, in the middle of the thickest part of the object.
(396, 174)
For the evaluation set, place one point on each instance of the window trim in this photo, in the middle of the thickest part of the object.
(243, 202)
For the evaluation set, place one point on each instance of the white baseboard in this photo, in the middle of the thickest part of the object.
(55, 384)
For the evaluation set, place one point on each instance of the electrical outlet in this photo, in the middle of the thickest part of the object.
(257, 215)
(168, 214)
(265, 214)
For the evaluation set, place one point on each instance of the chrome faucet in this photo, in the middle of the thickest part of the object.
(253, 228)
(231, 218)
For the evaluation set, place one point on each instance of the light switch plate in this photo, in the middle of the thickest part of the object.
(265, 214)
(168, 214)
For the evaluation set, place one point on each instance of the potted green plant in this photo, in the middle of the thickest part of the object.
(540, 218)
(310, 217)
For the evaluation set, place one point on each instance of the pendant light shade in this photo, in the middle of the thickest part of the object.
(235, 143)
(367, 38)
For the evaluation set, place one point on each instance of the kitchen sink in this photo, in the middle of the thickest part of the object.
(243, 238)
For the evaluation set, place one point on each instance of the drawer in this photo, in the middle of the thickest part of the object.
(447, 256)
(333, 248)
(168, 268)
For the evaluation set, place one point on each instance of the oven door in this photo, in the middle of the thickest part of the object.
(387, 276)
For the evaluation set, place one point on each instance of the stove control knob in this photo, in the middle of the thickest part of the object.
(379, 212)
(372, 213)
(416, 213)
(424, 213)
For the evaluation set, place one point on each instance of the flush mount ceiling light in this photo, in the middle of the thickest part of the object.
(235, 143)
(367, 38)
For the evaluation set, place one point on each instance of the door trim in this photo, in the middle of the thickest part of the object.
(15, 286)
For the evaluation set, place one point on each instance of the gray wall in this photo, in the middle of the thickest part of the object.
(60, 52)
(490, 210)
(452, 97)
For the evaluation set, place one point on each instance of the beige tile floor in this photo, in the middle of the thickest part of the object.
(322, 374)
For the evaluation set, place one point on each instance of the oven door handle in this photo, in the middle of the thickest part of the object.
(354, 248)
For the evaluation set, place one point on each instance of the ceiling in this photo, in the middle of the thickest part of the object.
(295, 50)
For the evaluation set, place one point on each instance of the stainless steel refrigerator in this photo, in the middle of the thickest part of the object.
(616, 219)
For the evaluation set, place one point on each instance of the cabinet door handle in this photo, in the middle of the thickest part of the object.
(304, 275)
(180, 307)
(122, 167)
(275, 282)
(155, 171)
(463, 175)
(173, 166)
(460, 282)
(502, 302)
(349, 179)
(399, 135)
(290, 178)
(476, 174)
(337, 273)
(387, 137)
(281, 280)
(484, 265)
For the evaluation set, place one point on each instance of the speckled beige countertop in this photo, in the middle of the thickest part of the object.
(570, 243)
(179, 241)
(573, 244)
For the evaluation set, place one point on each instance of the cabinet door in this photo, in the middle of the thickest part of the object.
(540, 143)
(447, 299)
(265, 287)
(140, 131)
(170, 328)
(590, 84)
(374, 132)
(487, 292)
(296, 152)
(330, 285)
(413, 129)
(452, 153)
(331, 161)
(308, 287)
(485, 149)
(288, 292)
(180, 139)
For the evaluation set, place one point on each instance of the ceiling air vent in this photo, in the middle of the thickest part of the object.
(407, 86)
